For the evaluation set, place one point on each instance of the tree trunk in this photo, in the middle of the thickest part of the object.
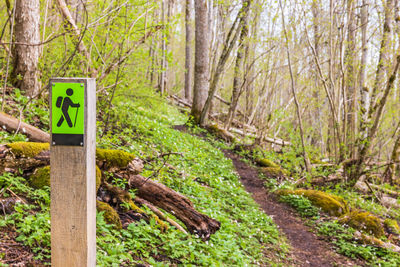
(238, 70)
(378, 103)
(188, 49)
(201, 82)
(316, 119)
(26, 51)
(230, 42)
(78, 39)
(163, 74)
(390, 171)
(364, 90)
(350, 79)
(304, 152)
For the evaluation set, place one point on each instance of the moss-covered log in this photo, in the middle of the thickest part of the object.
(175, 203)
(331, 204)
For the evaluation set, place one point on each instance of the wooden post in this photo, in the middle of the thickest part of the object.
(73, 163)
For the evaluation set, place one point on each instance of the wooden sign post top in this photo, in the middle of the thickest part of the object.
(68, 113)
(72, 172)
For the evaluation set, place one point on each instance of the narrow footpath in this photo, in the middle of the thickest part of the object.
(307, 248)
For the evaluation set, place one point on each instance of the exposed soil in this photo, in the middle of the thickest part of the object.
(13, 253)
(307, 248)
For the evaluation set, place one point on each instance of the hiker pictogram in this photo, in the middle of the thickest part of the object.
(65, 103)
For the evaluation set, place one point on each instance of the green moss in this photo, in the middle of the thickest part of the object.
(392, 226)
(114, 158)
(221, 133)
(27, 149)
(316, 161)
(98, 178)
(40, 178)
(274, 172)
(110, 215)
(364, 221)
(331, 204)
(267, 163)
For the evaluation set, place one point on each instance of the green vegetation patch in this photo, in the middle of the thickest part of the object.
(392, 226)
(331, 204)
(364, 221)
(302, 205)
(110, 215)
(113, 157)
(274, 172)
(40, 178)
(27, 149)
(267, 163)
(345, 242)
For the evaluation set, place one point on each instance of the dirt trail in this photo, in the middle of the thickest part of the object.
(308, 248)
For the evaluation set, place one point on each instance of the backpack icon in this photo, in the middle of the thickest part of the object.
(59, 101)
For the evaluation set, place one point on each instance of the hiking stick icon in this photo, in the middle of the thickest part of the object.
(65, 103)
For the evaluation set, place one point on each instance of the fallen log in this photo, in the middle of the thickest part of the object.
(267, 139)
(361, 186)
(181, 101)
(159, 213)
(175, 203)
(370, 240)
(12, 125)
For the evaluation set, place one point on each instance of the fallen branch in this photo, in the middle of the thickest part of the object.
(275, 141)
(181, 101)
(159, 213)
(370, 240)
(175, 203)
(11, 125)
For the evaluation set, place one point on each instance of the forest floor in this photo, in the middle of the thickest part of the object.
(307, 248)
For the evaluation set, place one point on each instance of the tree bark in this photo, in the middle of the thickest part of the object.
(304, 152)
(163, 74)
(78, 39)
(201, 82)
(350, 78)
(390, 171)
(238, 70)
(378, 103)
(11, 124)
(26, 56)
(175, 203)
(364, 90)
(188, 49)
(359, 166)
(230, 42)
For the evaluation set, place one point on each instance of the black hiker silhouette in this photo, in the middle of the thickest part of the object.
(66, 103)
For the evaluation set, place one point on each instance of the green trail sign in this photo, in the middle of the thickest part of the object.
(67, 113)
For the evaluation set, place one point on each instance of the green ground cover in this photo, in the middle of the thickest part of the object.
(143, 124)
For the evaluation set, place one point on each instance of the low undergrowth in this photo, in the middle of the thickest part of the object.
(342, 236)
(143, 124)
